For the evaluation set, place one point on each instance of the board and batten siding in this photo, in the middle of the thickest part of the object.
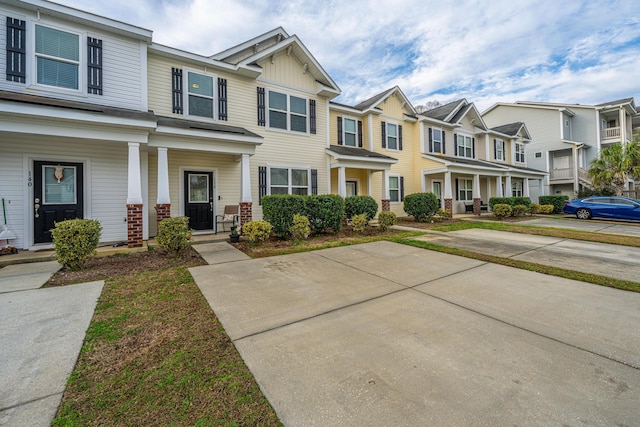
(123, 83)
(105, 179)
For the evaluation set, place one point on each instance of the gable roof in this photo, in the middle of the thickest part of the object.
(274, 43)
(512, 129)
(446, 111)
(376, 100)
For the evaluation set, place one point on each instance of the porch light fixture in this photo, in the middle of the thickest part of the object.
(6, 234)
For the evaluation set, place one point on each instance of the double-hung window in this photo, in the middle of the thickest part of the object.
(465, 189)
(516, 189)
(464, 146)
(436, 141)
(499, 149)
(392, 136)
(350, 132)
(289, 181)
(519, 153)
(287, 112)
(200, 93)
(394, 188)
(57, 56)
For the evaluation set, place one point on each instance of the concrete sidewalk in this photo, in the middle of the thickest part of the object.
(386, 334)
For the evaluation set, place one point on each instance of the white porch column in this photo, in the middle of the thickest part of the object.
(369, 175)
(525, 187)
(447, 186)
(476, 186)
(508, 191)
(163, 177)
(385, 185)
(576, 181)
(499, 192)
(342, 182)
(245, 189)
(541, 187)
(134, 189)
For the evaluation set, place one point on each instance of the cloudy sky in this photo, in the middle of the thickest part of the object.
(572, 51)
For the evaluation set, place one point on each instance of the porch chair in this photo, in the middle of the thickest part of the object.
(231, 216)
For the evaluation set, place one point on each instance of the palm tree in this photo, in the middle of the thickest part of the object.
(616, 164)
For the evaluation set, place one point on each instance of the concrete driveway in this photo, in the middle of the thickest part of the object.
(605, 226)
(386, 334)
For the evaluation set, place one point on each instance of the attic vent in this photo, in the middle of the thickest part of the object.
(538, 154)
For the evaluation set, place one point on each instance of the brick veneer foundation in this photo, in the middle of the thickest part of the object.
(448, 204)
(134, 226)
(386, 205)
(163, 211)
(246, 213)
(476, 206)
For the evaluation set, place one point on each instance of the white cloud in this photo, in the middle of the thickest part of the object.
(503, 50)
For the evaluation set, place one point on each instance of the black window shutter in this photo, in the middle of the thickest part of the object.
(473, 148)
(444, 144)
(430, 140)
(457, 190)
(400, 137)
(455, 144)
(16, 50)
(94, 66)
(312, 116)
(402, 188)
(314, 181)
(340, 142)
(262, 183)
(176, 86)
(495, 149)
(384, 135)
(360, 133)
(222, 99)
(261, 107)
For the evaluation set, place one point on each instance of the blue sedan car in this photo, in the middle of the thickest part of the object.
(603, 207)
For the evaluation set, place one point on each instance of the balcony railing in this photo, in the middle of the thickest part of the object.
(610, 133)
(566, 173)
(584, 175)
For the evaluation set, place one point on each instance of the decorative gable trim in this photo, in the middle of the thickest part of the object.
(16, 50)
(176, 89)
(94, 66)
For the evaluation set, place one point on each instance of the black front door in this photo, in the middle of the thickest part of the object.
(57, 195)
(198, 199)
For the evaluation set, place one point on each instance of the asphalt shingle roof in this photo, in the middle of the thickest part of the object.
(358, 152)
(443, 111)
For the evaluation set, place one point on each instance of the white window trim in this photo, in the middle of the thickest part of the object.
(397, 136)
(344, 131)
(460, 180)
(288, 112)
(433, 140)
(399, 189)
(185, 94)
(501, 151)
(519, 144)
(289, 181)
(464, 135)
(32, 59)
(516, 188)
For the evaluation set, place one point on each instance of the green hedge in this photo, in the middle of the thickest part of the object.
(556, 201)
(356, 205)
(325, 212)
(511, 201)
(279, 209)
(173, 234)
(76, 241)
(421, 205)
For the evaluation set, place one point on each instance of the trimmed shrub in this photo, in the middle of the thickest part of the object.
(502, 210)
(325, 211)
(534, 209)
(421, 205)
(519, 210)
(173, 234)
(511, 201)
(76, 241)
(300, 229)
(279, 209)
(359, 223)
(386, 219)
(355, 205)
(442, 214)
(556, 201)
(257, 231)
(547, 209)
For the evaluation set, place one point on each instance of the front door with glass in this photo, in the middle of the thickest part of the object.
(198, 191)
(57, 196)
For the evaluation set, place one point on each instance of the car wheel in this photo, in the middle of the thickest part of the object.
(583, 214)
